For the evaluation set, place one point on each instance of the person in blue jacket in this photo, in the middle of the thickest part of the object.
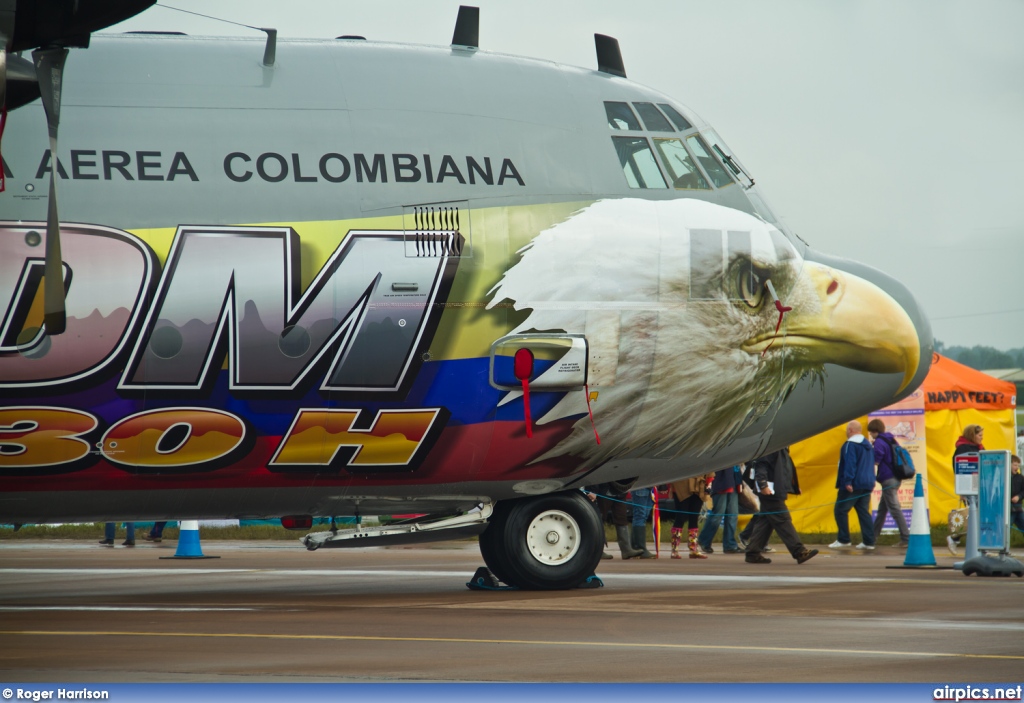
(110, 530)
(854, 483)
(725, 510)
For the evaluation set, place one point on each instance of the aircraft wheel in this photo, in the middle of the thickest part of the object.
(545, 542)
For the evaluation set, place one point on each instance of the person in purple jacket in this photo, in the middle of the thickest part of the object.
(890, 502)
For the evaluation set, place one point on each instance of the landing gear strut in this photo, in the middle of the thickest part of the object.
(544, 542)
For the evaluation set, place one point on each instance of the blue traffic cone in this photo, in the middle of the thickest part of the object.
(919, 549)
(188, 542)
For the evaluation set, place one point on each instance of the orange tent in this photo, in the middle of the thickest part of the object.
(954, 396)
(953, 386)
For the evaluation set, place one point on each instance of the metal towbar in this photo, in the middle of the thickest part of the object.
(429, 528)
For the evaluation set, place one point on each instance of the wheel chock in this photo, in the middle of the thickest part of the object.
(484, 580)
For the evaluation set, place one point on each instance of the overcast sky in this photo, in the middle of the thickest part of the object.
(888, 132)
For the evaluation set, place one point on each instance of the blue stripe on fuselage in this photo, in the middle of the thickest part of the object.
(460, 385)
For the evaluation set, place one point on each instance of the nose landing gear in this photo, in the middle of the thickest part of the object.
(547, 542)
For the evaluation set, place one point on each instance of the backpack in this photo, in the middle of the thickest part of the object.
(902, 463)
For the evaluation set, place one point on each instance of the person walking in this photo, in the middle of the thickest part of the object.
(743, 538)
(156, 533)
(775, 478)
(110, 530)
(725, 510)
(689, 499)
(890, 503)
(855, 480)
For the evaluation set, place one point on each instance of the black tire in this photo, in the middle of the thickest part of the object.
(548, 542)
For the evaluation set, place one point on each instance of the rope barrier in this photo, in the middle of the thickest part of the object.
(688, 512)
(796, 510)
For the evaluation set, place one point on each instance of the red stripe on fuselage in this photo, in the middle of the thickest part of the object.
(492, 451)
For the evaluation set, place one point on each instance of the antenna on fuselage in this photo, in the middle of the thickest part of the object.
(609, 58)
(270, 49)
(467, 28)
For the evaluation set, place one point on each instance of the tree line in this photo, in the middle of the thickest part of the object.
(981, 357)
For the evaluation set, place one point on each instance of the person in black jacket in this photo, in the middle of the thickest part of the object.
(967, 443)
(970, 441)
(611, 497)
(1016, 494)
(775, 478)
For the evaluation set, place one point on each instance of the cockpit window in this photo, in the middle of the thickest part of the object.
(681, 168)
(654, 120)
(718, 175)
(638, 164)
(678, 120)
(621, 117)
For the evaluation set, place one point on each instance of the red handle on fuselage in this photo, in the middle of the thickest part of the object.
(522, 367)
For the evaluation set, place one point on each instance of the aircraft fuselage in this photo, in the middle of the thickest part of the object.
(303, 289)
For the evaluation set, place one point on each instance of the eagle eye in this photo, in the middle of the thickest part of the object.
(750, 284)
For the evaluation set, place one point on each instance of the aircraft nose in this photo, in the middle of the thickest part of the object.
(854, 322)
(866, 333)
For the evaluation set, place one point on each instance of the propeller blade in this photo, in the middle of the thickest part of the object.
(50, 72)
(3, 100)
(3, 70)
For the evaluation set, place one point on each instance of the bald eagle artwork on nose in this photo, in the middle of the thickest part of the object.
(678, 289)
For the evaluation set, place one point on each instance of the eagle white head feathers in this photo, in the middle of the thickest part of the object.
(672, 298)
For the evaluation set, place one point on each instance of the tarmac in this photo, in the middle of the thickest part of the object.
(271, 611)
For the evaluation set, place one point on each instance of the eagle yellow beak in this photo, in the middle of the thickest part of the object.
(850, 322)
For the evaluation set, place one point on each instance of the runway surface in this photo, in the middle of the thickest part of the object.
(271, 611)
